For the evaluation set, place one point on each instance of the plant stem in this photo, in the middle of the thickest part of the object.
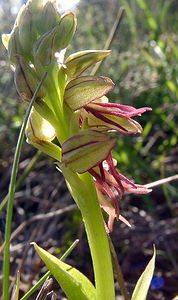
(83, 191)
(6, 266)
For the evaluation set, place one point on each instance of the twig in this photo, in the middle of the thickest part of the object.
(38, 217)
(118, 271)
(110, 38)
(161, 181)
(46, 287)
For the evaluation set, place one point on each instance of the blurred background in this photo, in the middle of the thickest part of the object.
(144, 67)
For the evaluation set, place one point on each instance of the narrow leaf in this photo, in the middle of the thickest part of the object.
(142, 286)
(85, 89)
(78, 62)
(15, 292)
(75, 285)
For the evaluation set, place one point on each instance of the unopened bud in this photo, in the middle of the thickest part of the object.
(26, 80)
(14, 47)
(65, 32)
(27, 34)
(49, 17)
(43, 49)
(54, 40)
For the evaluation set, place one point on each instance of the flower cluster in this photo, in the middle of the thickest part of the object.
(71, 106)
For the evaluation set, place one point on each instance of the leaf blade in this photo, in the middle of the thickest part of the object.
(142, 286)
(75, 284)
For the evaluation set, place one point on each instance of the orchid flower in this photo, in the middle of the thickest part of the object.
(73, 122)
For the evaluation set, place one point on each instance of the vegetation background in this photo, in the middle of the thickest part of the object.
(143, 64)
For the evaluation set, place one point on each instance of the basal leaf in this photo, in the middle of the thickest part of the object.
(75, 285)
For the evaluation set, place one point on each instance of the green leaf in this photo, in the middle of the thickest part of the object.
(78, 62)
(75, 285)
(85, 89)
(85, 150)
(142, 286)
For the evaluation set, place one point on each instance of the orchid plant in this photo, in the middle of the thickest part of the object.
(73, 122)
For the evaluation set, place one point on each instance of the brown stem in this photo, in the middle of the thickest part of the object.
(110, 38)
(118, 272)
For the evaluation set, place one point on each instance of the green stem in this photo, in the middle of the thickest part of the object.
(83, 191)
(6, 266)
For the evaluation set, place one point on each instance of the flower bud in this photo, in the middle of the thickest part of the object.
(49, 17)
(26, 80)
(43, 49)
(54, 40)
(85, 150)
(65, 32)
(27, 34)
(39, 130)
(14, 47)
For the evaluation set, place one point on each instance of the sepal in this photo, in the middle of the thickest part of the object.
(78, 62)
(82, 90)
(114, 124)
(83, 151)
